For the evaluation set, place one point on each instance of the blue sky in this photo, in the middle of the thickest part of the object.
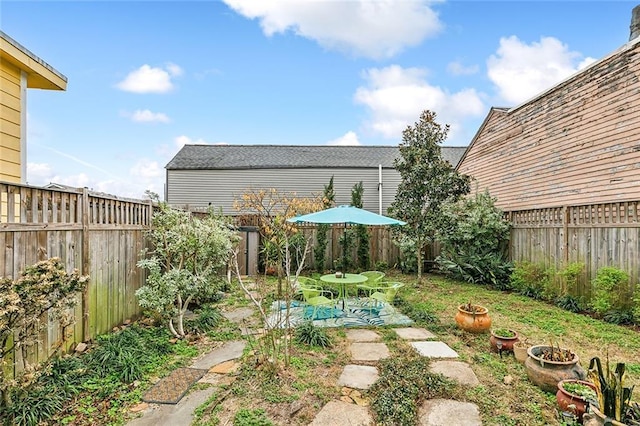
(146, 77)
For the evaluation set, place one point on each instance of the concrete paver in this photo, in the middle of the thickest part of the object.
(446, 412)
(434, 349)
(229, 350)
(240, 314)
(339, 413)
(358, 376)
(459, 371)
(172, 415)
(411, 333)
(362, 335)
(369, 351)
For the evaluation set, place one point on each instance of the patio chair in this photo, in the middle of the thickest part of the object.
(317, 297)
(381, 293)
(373, 277)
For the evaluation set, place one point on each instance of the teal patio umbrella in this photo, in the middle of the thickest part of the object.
(347, 215)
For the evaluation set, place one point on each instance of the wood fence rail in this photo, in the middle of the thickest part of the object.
(98, 234)
(606, 234)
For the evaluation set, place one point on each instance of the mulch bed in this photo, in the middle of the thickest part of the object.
(171, 389)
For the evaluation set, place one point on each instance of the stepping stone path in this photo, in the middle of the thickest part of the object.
(366, 348)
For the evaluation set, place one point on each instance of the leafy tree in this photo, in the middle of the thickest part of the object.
(42, 288)
(188, 257)
(323, 228)
(361, 232)
(427, 182)
(474, 238)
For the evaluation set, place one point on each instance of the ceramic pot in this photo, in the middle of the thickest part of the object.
(520, 352)
(570, 402)
(546, 374)
(473, 322)
(501, 343)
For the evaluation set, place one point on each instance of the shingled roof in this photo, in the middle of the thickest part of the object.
(211, 157)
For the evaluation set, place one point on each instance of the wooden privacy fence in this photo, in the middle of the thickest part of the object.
(98, 234)
(598, 235)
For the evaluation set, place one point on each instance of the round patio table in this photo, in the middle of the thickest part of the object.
(343, 281)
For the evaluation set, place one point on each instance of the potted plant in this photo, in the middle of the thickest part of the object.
(502, 340)
(613, 405)
(473, 318)
(549, 364)
(574, 396)
(520, 350)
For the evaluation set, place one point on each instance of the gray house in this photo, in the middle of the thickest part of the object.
(203, 175)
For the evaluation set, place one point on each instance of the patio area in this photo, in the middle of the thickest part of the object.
(355, 314)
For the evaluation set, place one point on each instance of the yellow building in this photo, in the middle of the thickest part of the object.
(19, 70)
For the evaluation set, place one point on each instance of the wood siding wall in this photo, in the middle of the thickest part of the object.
(598, 235)
(198, 188)
(98, 235)
(578, 143)
(10, 122)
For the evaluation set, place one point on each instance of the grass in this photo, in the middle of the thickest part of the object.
(293, 396)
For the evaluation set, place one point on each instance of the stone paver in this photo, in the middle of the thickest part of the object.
(238, 315)
(434, 349)
(362, 335)
(339, 413)
(459, 371)
(446, 412)
(369, 351)
(172, 415)
(411, 333)
(358, 376)
(229, 350)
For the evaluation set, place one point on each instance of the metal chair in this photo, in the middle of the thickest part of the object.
(373, 277)
(315, 296)
(382, 293)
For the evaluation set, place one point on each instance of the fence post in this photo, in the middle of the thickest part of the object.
(565, 231)
(85, 264)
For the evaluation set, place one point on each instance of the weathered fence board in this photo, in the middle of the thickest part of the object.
(598, 235)
(98, 234)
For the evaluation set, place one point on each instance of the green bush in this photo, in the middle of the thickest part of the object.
(530, 279)
(207, 318)
(611, 293)
(474, 236)
(309, 334)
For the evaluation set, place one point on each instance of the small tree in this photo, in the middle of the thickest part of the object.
(42, 288)
(323, 228)
(427, 182)
(188, 259)
(361, 232)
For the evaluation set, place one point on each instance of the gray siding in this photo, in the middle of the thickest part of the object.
(198, 188)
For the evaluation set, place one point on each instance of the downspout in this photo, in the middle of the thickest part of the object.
(379, 188)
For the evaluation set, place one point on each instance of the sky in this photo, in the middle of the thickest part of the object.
(147, 77)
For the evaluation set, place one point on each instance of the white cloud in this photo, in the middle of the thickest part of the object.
(183, 140)
(147, 116)
(457, 68)
(150, 80)
(38, 172)
(521, 70)
(396, 96)
(371, 28)
(349, 138)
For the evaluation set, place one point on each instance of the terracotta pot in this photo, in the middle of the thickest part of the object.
(520, 352)
(595, 418)
(570, 402)
(501, 343)
(473, 322)
(546, 374)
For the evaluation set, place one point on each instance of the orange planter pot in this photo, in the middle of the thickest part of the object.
(501, 343)
(477, 321)
(572, 403)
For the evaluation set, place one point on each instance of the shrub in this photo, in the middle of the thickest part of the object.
(206, 319)
(530, 279)
(408, 262)
(474, 237)
(309, 334)
(564, 282)
(611, 291)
